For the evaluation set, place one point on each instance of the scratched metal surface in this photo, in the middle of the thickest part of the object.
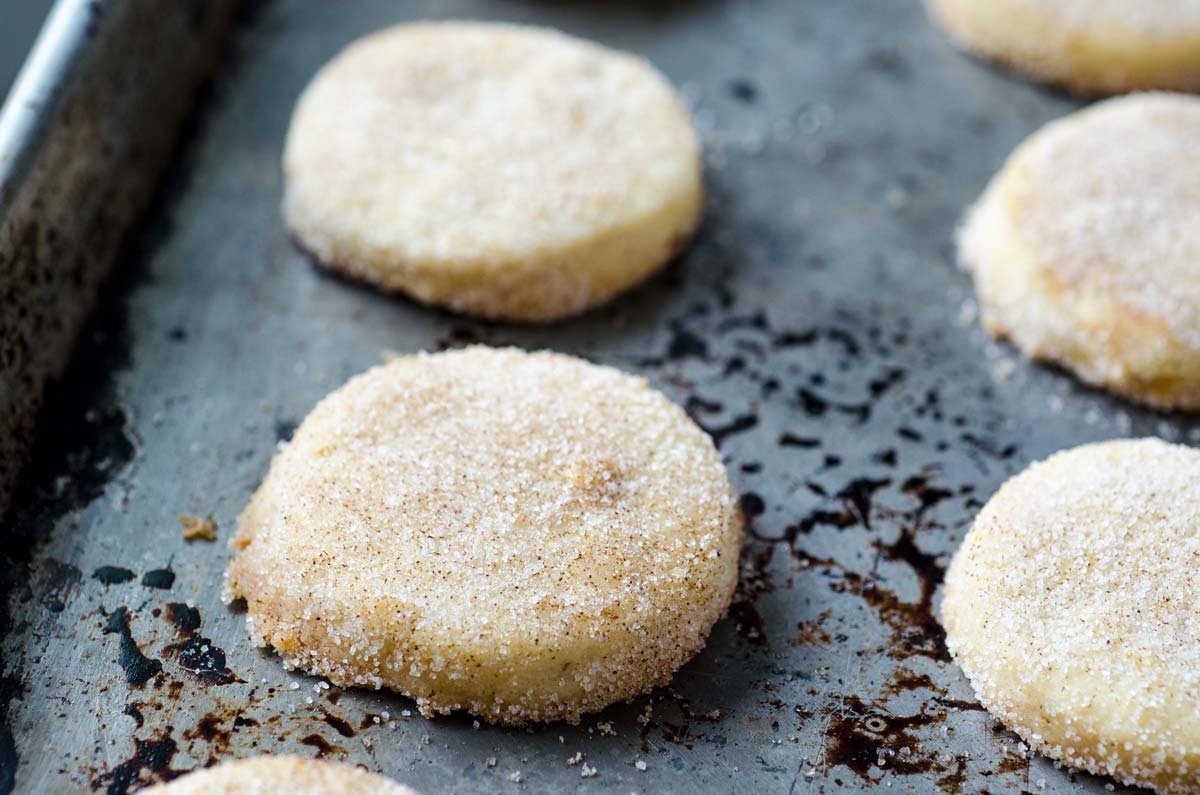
(817, 327)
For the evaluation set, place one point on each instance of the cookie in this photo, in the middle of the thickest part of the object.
(268, 775)
(1085, 248)
(1073, 606)
(527, 537)
(1085, 46)
(502, 171)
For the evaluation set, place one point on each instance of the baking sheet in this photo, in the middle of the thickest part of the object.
(818, 328)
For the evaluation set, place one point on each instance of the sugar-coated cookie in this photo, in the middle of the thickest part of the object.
(503, 171)
(1073, 606)
(275, 775)
(528, 537)
(1086, 46)
(1085, 248)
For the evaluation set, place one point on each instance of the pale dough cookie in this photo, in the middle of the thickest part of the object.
(1085, 248)
(268, 775)
(1073, 606)
(524, 536)
(502, 171)
(1086, 46)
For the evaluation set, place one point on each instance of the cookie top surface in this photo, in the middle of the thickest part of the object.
(511, 515)
(1151, 18)
(1074, 608)
(1109, 199)
(1101, 47)
(269, 775)
(448, 159)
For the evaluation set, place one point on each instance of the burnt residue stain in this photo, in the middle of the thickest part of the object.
(953, 780)
(903, 681)
(202, 659)
(324, 748)
(915, 628)
(802, 442)
(184, 618)
(210, 729)
(748, 622)
(151, 762)
(677, 728)
(1014, 764)
(685, 344)
(739, 424)
(159, 578)
(743, 90)
(112, 575)
(916, 632)
(698, 408)
(285, 428)
(859, 494)
(927, 496)
(83, 439)
(139, 669)
(856, 507)
(10, 689)
(888, 61)
(929, 571)
(752, 505)
(340, 725)
(134, 711)
(82, 442)
(814, 405)
(813, 633)
(55, 582)
(872, 741)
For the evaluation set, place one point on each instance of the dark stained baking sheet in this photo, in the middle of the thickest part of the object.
(818, 328)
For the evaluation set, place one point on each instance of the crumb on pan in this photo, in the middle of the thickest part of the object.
(196, 528)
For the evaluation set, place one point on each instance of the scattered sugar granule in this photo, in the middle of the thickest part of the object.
(490, 761)
(515, 777)
(640, 765)
(574, 760)
(588, 771)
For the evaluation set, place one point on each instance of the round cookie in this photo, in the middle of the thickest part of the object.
(498, 170)
(528, 537)
(1086, 46)
(269, 775)
(1085, 248)
(1073, 606)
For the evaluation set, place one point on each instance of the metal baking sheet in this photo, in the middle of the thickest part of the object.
(818, 328)
(84, 135)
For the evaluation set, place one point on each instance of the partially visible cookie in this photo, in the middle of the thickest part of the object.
(498, 170)
(275, 775)
(1073, 606)
(1086, 46)
(1085, 248)
(528, 537)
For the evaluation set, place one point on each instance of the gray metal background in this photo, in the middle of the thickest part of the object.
(818, 327)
